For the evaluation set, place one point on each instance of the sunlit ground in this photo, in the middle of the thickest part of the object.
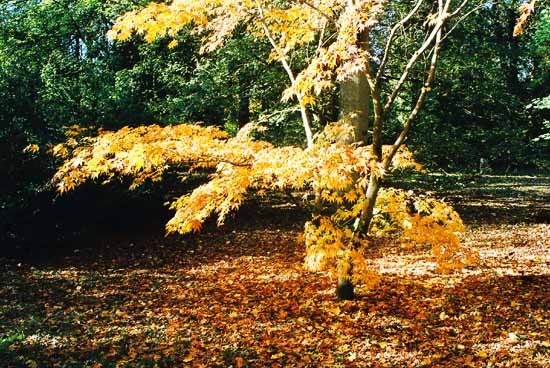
(240, 297)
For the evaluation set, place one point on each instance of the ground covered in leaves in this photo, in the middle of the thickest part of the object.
(238, 296)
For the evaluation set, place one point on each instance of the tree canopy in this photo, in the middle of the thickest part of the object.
(346, 38)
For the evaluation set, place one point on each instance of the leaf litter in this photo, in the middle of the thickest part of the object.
(239, 297)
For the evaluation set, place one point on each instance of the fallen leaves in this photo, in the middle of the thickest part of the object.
(242, 299)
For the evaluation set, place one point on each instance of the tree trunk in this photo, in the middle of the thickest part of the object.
(306, 121)
(355, 99)
(345, 289)
(354, 105)
(355, 95)
(367, 212)
(244, 100)
(504, 19)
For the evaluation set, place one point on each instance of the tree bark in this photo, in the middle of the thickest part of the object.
(355, 98)
(354, 105)
(345, 289)
(355, 94)
(306, 121)
(367, 212)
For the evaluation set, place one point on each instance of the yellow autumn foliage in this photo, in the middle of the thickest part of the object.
(240, 165)
(331, 25)
(339, 174)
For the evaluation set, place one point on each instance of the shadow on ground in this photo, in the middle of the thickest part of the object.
(239, 296)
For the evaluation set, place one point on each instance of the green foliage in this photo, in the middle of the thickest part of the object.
(485, 81)
(58, 69)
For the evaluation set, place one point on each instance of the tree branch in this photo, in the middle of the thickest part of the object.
(461, 19)
(305, 2)
(442, 19)
(389, 43)
(282, 58)
(420, 101)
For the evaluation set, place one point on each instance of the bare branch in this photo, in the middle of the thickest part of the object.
(321, 36)
(378, 113)
(459, 9)
(462, 19)
(389, 43)
(420, 101)
(280, 53)
(282, 58)
(442, 18)
(410, 64)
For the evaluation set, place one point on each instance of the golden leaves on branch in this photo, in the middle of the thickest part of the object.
(143, 153)
(31, 148)
(337, 172)
(412, 219)
(424, 220)
(331, 26)
(525, 9)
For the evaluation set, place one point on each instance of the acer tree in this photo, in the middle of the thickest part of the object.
(337, 172)
(349, 38)
(345, 40)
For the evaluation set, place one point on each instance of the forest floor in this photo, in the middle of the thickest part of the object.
(239, 296)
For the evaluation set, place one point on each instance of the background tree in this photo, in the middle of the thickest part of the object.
(483, 65)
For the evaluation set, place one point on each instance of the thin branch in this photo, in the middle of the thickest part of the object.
(459, 9)
(282, 57)
(420, 101)
(409, 66)
(389, 43)
(378, 113)
(279, 52)
(321, 36)
(212, 161)
(462, 19)
(266, 117)
(325, 15)
(443, 16)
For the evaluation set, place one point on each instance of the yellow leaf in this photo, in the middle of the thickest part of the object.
(481, 354)
(59, 150)
(277, 356)
(173, 44)
(31, 148)
(138, 165)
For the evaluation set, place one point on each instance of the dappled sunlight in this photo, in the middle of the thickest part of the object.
(232, 301)
(242, 297)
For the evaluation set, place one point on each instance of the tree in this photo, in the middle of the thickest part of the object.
(346, 39)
